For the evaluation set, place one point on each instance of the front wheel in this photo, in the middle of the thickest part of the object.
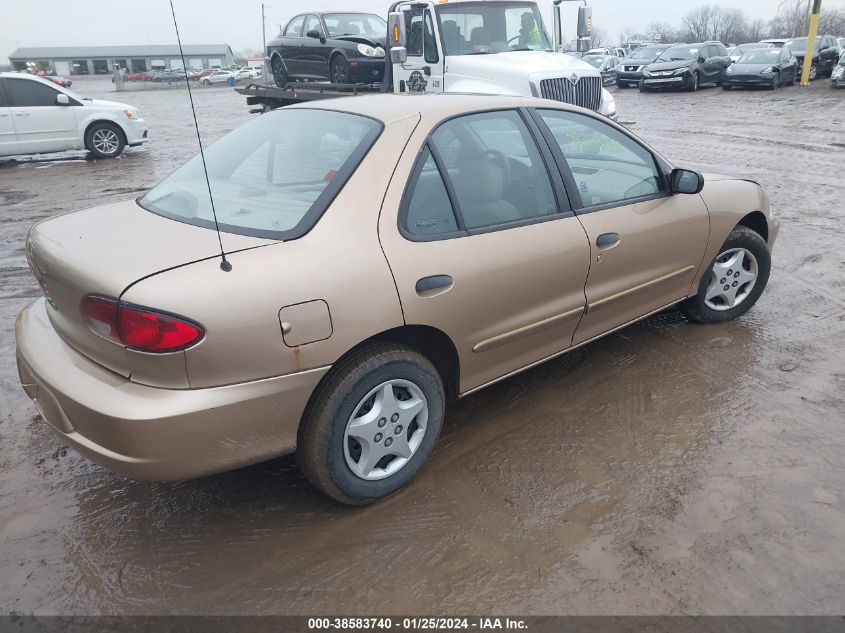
(735, 280)
(372, 425)
(694, 83)
(642, 86)
(339, 71)
(105, 140)
(280, 73)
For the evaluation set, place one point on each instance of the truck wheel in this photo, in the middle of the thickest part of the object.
(280, 73)
(105, 140)
(372, 424)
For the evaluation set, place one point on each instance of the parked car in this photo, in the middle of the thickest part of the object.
(606, 65)
(340, 47)
(146, 357)
(145, 75)
(824, 54)
(837, 77)
(777, 42)
(248, 73)
(169, 76)
(205, 73)
(37, 116)
(218, 77)
(687, 67)
(629, 72)
(762, 67)
(59, 81)
(738, 51)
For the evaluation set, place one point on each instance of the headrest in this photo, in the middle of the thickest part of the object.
(481, 181)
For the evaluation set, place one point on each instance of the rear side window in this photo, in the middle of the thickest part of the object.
(429, 209)
(273, 177)
(25, 93)
(3, 101)
(294, 27)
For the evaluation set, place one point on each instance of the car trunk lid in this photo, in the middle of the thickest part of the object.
(103, 251)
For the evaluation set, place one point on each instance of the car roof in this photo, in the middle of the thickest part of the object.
(396, 106)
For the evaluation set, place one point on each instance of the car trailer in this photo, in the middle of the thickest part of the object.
(271, 97)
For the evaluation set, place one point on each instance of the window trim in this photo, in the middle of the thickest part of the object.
(569, 179)
(413, 177)
(310, 218)
(10, 98)
(4, 98)
(294, 18)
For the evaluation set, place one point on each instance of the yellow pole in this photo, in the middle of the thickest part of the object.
(811, 42)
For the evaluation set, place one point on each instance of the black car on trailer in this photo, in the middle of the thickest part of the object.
(341, 47)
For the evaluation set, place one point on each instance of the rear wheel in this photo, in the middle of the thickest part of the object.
(814, 71)
(280, 73)
(105, 140)
(339, 70)
(372, 425)
(735, 280)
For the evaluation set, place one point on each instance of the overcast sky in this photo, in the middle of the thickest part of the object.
(103, 22)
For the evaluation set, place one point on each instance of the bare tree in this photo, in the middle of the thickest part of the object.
(832, 22)
(628, 34)
(661, 32)
(599, 37)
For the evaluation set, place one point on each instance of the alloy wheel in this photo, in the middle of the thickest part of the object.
(385, 429)
(733, 276)
(105, 141)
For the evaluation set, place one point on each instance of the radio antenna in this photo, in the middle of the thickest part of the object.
(225, 265)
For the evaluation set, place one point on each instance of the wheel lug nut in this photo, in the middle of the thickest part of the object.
(378, 437)
(727, 287)
(394, 417)
(382, 422)
(730, 272)
(736, 274)
(398, 429)
(735, 284)
(388, 441)
(723, 280)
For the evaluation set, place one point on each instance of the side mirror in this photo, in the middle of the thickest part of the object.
(314, 34)
(701, 60)
(396, 30)
(686, 181)
(62, 99)
(398, 54)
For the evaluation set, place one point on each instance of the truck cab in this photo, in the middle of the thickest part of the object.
(489, 47)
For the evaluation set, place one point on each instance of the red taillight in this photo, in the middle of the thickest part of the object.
(139, 328)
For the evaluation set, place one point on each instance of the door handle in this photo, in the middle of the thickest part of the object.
(428, 285)
(23, 113)
(608, 240)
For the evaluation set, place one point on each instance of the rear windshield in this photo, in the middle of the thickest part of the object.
(273, 177)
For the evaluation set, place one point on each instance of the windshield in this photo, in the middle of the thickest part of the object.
(482, 29)
(646, 53)
(760, 56)
(799, 45)
(272, 177)
(678, 54)
(355, 24)
(594, 60)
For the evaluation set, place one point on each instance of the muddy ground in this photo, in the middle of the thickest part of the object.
(669, 468)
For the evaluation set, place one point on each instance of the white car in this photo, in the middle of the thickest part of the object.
(249, 73)
(218, 77)
(37, 116)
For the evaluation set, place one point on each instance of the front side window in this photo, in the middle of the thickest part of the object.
(294, 27)
(488, 28)
(606, 165)
(312, 23)
(25, 93)
(272, 177)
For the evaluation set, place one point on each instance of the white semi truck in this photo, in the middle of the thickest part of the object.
(467, 46)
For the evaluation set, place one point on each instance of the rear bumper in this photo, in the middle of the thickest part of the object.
(152, 433)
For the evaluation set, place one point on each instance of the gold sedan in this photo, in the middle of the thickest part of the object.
(383, 254)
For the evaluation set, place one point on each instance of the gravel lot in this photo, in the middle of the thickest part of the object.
(669, 468)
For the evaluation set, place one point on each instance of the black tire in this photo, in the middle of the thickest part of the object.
(642, 86)
(791, 81)
(695, 307)
(339, 70)
(694, 83)
(105, 140)
(724, 87)
(280, 73)
(814, 71)
(320, 442)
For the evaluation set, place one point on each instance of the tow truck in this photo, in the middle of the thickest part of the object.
(465, 46)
